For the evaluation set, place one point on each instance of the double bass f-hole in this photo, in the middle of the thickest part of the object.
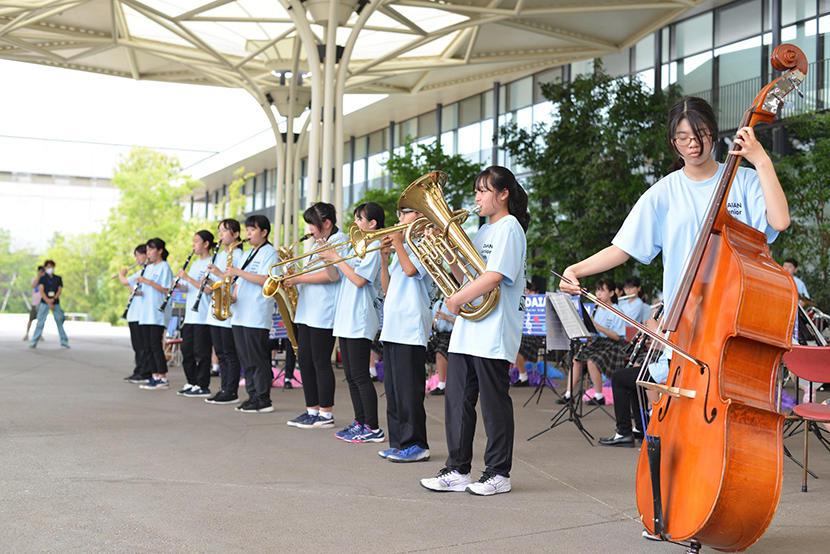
(706, 415)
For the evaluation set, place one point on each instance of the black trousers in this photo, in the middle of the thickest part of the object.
(355, 354)
(404, 379)
(225, 348)
(290, 358)
(254, 351)
(151, 336)
(467, 378)
(138, 350)
(196, 346)
(624, 388)
(314, 356)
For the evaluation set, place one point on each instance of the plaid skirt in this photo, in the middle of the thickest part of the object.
(440, 343)
(529, 347)
(609, 355)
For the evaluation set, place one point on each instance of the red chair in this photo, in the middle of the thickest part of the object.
(811, 363)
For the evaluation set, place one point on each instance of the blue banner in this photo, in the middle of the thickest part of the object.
(534, 322)
(277, 327)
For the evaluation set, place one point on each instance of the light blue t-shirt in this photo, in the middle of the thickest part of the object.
(196, 270)
(610, 321)
(315, 306)
(221, 262)
(406, 313)
(635, 308)
(251, 309)
(503, 247)
(801, 287)
(355, 316)
(668, 216)
(134, 311)
(442, 325)
(151, 300)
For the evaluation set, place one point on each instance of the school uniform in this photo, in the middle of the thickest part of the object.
(635, 308)
(315, 321)
(151, 320)
(480, 355)
(667, 219)
(406, 328)
(355, 325)
(196, 342)
(604, 351)
(133, 317)
(221, 334)
(252, 320)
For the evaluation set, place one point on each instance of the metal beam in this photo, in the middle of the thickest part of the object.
(556, 32)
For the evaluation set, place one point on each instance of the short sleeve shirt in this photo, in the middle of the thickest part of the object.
(355, 315)
(51, 284)
(152, 299)
(315, 306)
(196, 271)
(406, 313)
(251, 308)
(134, 311)
(503, 247)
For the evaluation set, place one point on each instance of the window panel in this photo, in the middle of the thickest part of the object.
(427, 124)
(617, 64)
(487, 105)
(693, 36)
(737, 22)
(360, 147)
(469, 110)
(585, 67)
(408, 128)
(796, 10)
(739, 61)
(694, 74)
(448, 143)
(520, 94)
(377, 142)
(449, 117)
(644, 54)
(550, 76)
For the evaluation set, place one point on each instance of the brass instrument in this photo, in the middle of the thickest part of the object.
(439, 242)
(221, 297)
(285, 297)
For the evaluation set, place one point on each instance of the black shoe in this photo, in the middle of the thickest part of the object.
(596, 401)
(222, 397)
(249, 405)
(624, 440)
(520, 383)
(638, 435)
(287, 384)
(132, 376)
(214, 373)
(374, 378)
(564, 400)
(436, 392)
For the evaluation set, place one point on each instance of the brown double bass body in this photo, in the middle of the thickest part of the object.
(710, 470)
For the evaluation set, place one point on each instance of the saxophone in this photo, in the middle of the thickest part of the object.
(221, 298)
(286, 298)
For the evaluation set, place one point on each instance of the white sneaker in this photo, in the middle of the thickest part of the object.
(447, 480)
(489, 485)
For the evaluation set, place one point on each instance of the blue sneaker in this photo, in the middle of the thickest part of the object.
(349, 432)
(386, 453)
(155, 384)
(302, 418)
(367, 434)
(409, 454)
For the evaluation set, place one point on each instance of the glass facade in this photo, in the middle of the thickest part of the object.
(721, 55)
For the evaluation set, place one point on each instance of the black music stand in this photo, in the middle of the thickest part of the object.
(545, 381)
(567, 329)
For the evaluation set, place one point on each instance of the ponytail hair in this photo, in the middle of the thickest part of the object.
(500, 178)
(207, 236)
(701, 118)
(158, 244)
(140, 249)
(372, 211)
(320, 212)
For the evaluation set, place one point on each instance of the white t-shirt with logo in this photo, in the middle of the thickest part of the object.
(503, 247)
(668, 216)
(251, 308)
(315, 306)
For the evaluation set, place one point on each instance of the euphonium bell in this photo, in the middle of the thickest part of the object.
(447, 244)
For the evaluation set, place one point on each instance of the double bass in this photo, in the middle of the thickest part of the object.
(711, 470)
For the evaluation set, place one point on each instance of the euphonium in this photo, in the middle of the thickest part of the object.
(446, 244)
(285, 297)
(221, 298)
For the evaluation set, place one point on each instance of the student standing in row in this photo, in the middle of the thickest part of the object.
(221, 334)
(355, 325)
(154, 284)
(196, 342)
(139, 374)
(481, 351)
(315, 321)
(253, 316)
(406, 319)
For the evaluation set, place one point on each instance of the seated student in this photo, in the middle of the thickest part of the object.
(528, 348)
(792, 267)
(603, 352)
(633, 302)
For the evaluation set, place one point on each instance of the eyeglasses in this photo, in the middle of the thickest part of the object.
(684, 140)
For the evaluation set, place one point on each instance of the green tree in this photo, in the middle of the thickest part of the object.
(17, 269)
(603, 147)
(804, 174)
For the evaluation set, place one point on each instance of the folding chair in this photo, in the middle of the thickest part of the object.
(173, 343)
(811, 363)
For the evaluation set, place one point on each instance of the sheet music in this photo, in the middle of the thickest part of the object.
(563, 321)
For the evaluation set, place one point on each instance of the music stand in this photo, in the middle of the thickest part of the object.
(567, 329)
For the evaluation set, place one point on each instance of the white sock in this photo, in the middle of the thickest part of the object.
(327, 415)
(567, 394)
(522, 376)
(215, 367)
(442, 385)
(312, 412)
(373, 371)
(598, 395)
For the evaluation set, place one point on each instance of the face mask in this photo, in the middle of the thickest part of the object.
(50, 270)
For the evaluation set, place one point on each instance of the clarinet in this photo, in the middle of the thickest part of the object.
(132, 294)
(176, 282)
(195, 307)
